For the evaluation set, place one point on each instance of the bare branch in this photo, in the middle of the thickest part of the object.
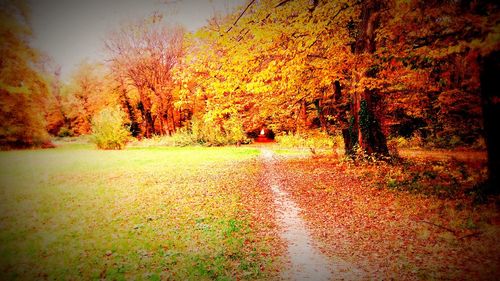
(282, 3)
(241, 15)
(439, 226)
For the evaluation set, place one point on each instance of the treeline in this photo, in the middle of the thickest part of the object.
(365, 70)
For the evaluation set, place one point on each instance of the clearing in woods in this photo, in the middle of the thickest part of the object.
(236, 213)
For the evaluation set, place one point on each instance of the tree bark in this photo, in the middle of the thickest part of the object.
(370, 136)
(364, 126)
(302, 124)
(134, 126)
(172, 127)
(490, 99)
(145, 107)
(320, 109)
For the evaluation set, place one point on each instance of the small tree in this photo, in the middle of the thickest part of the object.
(235, 134)
(108, 130)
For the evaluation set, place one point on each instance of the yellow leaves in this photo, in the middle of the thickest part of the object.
(22, 89)
(256, 87)
(490, 43)
(267, 57)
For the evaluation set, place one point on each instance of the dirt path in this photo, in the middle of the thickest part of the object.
(306, 261)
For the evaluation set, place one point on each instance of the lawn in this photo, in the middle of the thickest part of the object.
(201, 213)
(145, 213)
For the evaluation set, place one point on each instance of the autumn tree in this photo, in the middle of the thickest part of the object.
(428, 62)
(143, 55)
(22, 89)
(244, 71)
(490, 67)
(284, 62)
(87, 93)
(55, 115)
(364, 125)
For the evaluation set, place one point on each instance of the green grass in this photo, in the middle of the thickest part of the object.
(146, 213)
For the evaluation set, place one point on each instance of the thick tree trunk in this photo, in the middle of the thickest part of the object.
(173, 127)
(490, 98)
(364, 126)
(302, 116)
(319, 104)
(370, 136)
(134, 126)
(162, 125)
(147, 120)
(145, 108)
(150, 129)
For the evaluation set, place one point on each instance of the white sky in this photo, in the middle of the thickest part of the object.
(72, 30)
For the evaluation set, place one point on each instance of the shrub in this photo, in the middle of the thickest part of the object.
(415, 141)
(108, 130)
(181, 138)
(312, 140)
(479, 143)
(65, 132)
(234, 132)
(201, 132)
(209, 133)
(455, 141)
(291, 140)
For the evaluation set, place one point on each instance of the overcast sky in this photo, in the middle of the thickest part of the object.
(72, 30)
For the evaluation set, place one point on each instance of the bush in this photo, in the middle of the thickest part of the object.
(312, 140)
(108, 130)
(479, 143)
(181, 138)
(65, 132)
(208, 133)
(200, 132)
(414, 142)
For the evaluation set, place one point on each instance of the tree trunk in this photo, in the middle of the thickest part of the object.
(162, 125)
(147, 120)
(490, 99)
(134, 126)
(150, 129)
(172, 119)
(364, 126)
(370, 136)
(319, 104)
(302, 124)
(145, 108)
(337, 94)
(348, 146)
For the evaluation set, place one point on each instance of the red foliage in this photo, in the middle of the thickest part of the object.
(393, 234)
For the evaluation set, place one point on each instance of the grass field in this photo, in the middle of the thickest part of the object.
(201, 213)
(145, 213)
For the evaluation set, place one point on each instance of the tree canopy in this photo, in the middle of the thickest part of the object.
(23, 89)
(363, 70)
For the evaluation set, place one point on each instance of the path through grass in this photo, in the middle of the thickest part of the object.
(396, 232)
(155, 213)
